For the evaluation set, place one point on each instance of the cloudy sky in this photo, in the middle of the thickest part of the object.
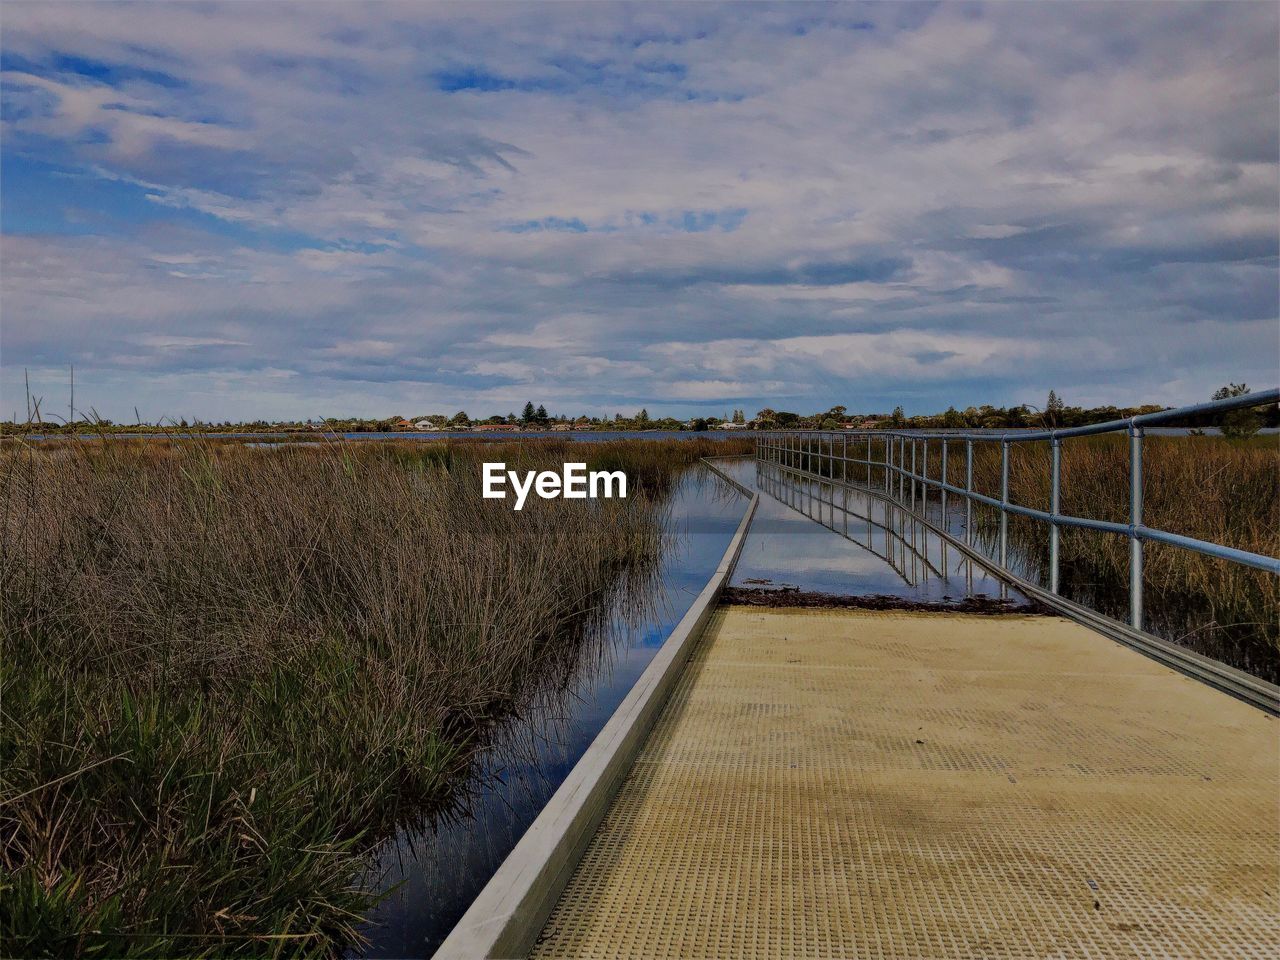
(263, 209)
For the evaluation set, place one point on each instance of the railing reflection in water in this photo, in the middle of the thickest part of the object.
(896, 536)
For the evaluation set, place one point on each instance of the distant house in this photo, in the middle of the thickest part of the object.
(561, 426)
(869, 424)
(730, 425)
(404, 425)
(582, 423)
(424, 425)
(496, 427)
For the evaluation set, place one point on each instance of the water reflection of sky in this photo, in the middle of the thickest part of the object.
(442, 868)
(832, 539)
(859, 550)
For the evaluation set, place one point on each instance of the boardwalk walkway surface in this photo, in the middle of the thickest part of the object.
(858, 784)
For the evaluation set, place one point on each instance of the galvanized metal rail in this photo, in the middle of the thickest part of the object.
(906, 481)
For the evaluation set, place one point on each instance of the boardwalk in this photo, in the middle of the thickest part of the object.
(847, 784)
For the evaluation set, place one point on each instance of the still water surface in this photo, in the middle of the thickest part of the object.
(438, 871)
(816, 536)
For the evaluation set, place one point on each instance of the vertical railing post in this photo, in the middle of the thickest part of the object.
(888, 457)
(913, 474)
(892, 462)
(944, 484)
(844, 458)
(1135, 521)
(888, 465)
(1055, 487)
(968, 486)
(895, 475)
(1004, 502)
(813, 470)
(890, 473)
(924, 479)
(868, 461)
(901, 469)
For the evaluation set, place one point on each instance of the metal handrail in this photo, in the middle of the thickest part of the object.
(772, 482)
(904, 483)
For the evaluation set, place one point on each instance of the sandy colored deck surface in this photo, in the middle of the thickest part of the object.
(858, 784)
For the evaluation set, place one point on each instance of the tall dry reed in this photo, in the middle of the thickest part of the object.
(1207, 487)
(227, 672)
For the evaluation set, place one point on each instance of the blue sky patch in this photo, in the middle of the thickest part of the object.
(692, 208)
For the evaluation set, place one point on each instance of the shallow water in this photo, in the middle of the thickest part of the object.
(442, 868)
(826, 538)
(854, 548)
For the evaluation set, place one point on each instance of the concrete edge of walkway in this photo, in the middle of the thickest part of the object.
(505, 919)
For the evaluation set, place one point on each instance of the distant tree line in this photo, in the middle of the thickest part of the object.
(1055, 413)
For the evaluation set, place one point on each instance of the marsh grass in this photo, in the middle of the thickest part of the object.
(229, 672)
(1207, 487)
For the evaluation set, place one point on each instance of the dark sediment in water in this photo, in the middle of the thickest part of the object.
(794, 597)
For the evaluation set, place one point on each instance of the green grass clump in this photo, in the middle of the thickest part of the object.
(228, 673)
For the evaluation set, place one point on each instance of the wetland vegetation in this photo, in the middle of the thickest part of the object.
(1209, 487)
(230, 673)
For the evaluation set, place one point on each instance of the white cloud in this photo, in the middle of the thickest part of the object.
(960, 204)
